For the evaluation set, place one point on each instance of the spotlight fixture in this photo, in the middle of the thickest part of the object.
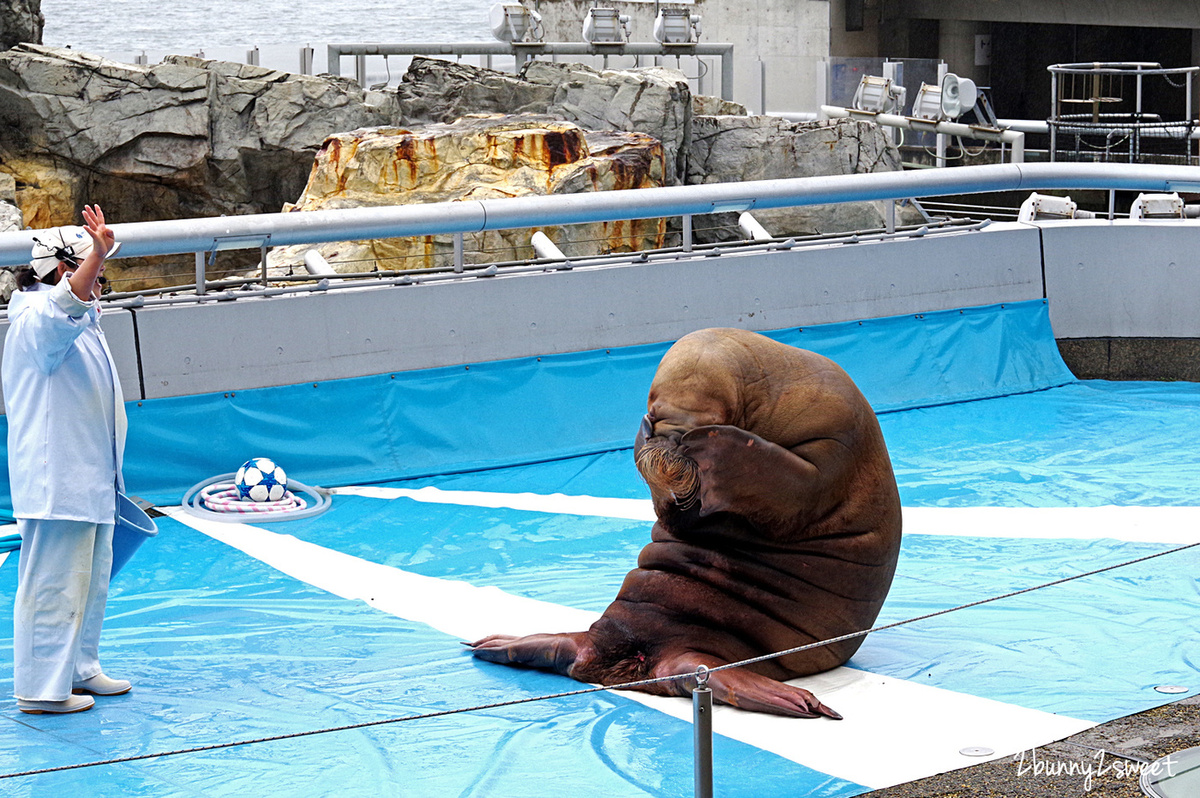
(676, 26)
(605, 26)
(1044, 207)
(953, 98)
(879, 95)
(1157, 206)
(513, 22)
(928, 103)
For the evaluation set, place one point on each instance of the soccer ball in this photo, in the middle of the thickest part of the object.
(260, 480)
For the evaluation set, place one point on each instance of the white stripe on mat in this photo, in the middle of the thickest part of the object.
(1136, 524)
(895, 730)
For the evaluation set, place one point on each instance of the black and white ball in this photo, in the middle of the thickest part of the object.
(260, 480)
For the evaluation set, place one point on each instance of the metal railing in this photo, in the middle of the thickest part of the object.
(523, 51)
(206, 236)
(1092, 87)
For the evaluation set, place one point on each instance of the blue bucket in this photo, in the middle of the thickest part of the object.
(133, 529)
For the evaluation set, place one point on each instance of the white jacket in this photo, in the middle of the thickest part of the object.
(66, 413)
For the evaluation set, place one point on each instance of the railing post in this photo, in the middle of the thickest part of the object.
(458, 252)
(201, 288)
(1053, 114)
(727, 74)
(702, 708)
(686, 243)
(1018, 148)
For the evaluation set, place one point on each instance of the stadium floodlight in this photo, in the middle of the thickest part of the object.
(676, 26)
(878, 95)
(605, 26)
(513, 22)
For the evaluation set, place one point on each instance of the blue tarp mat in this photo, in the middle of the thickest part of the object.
(977, 411)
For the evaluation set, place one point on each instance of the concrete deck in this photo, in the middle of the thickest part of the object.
(1110, 753)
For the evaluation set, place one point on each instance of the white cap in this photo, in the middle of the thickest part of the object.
(58, 244)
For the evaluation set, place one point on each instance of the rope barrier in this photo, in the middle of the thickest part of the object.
(701, 675)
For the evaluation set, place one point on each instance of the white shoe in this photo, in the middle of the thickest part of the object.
(76, 703)
(101, 685)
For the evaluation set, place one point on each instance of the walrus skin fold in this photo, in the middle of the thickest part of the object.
(778, 525)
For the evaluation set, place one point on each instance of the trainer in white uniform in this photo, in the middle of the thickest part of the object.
(66, 437)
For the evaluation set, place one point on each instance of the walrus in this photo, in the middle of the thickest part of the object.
(778, 524)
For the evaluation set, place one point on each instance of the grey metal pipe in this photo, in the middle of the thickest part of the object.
(315, 263)
(1014, 138)
(508, 48)
(831, 189)
(752, 228)
(284, 229)
(280, 229)
(527, 50)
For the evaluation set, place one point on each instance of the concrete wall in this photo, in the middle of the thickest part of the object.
(1156, 14)
(788, 39)
(1123, 279)
(249, 343)
(1125, 297)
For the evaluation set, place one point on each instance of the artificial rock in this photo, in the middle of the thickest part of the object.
(730, 149)
(183, 138)
(20, 21)
(478, 157)
(655, 101)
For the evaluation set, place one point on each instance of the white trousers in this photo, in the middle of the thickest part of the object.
(62, 588)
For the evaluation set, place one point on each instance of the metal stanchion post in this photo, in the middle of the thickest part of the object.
(702, 722)
(201, 277)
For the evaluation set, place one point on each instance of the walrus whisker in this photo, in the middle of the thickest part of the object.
(669, 471)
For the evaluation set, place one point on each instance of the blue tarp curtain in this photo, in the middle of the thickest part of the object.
(409, 424)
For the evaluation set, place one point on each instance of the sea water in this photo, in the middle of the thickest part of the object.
(228, 29)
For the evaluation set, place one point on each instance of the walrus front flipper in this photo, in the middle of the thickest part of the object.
(745, 474)
(547, 652)
(745, 689)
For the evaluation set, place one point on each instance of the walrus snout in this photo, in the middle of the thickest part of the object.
(667, 470)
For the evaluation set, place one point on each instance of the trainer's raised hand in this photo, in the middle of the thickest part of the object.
(85, 282)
